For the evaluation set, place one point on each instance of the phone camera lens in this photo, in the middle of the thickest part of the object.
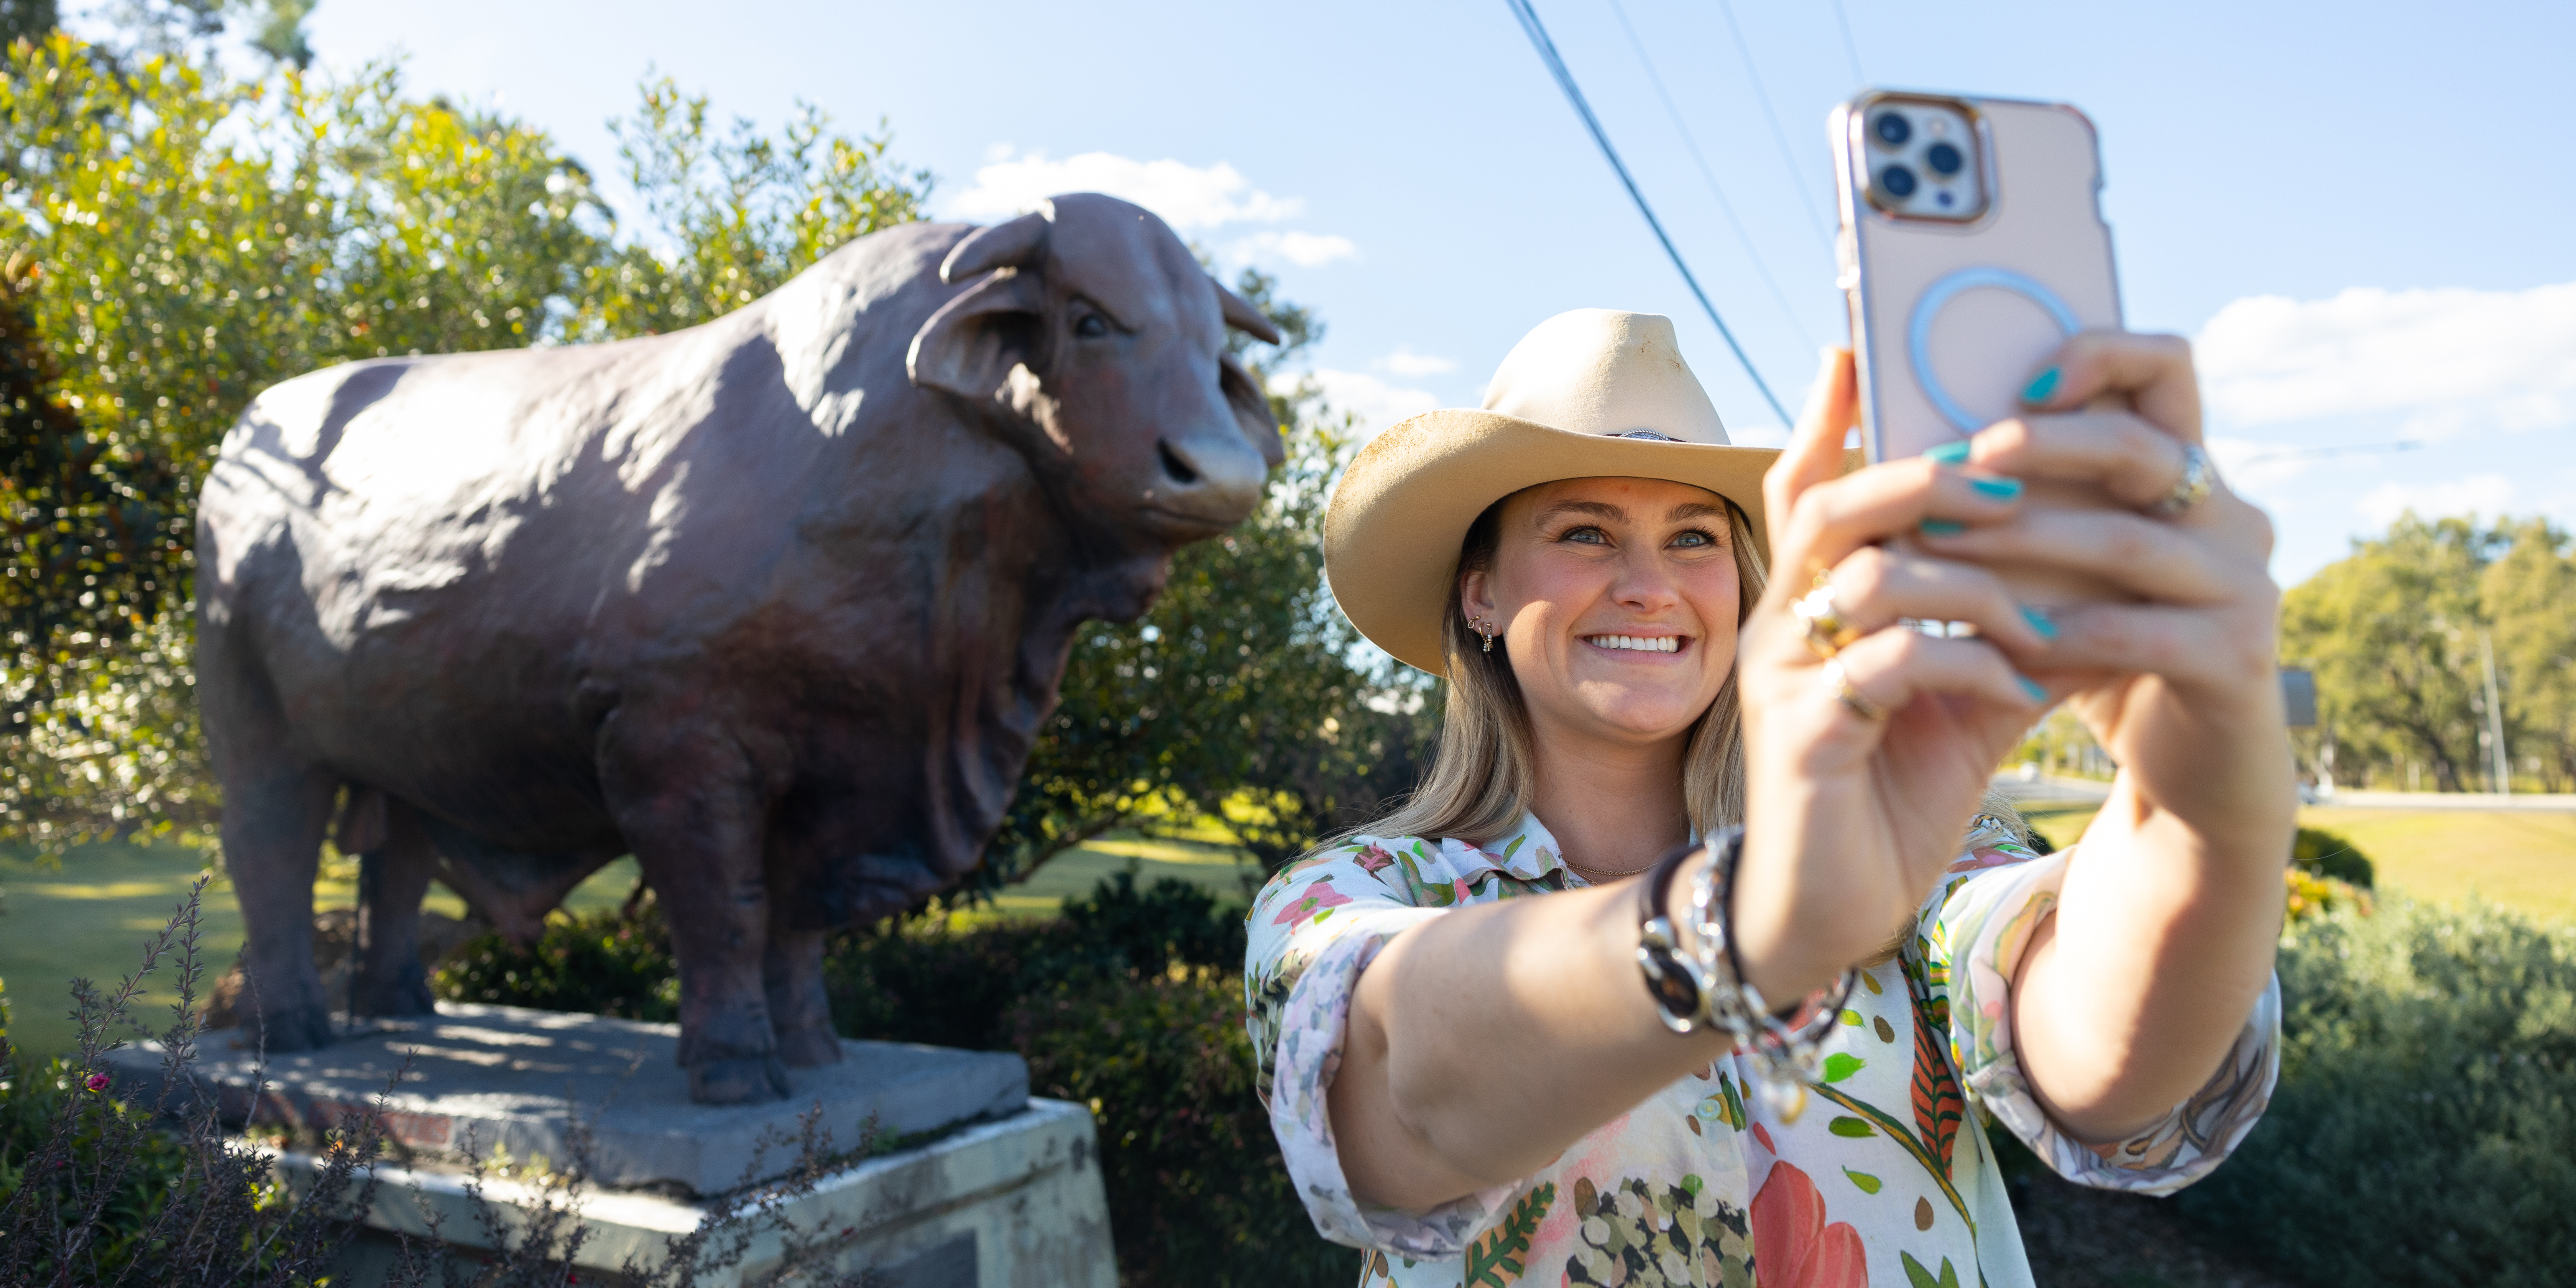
(1897, 181)
(1944, 159)
(1892, 129)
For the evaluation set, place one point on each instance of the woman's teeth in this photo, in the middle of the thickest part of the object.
(1641, 643)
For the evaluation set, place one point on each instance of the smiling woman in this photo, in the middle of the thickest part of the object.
(1601, 1085)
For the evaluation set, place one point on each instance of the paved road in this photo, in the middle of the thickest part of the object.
(2050, 792)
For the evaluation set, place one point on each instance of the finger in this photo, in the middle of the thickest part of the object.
(2146, 557)
(2197, 647)
(1834, 518)
(2119, 452)
(2152, 372)
(1895, 666)
(1815, 451)
(1877, 587)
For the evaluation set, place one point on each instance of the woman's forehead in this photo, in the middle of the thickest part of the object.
(1637, 499)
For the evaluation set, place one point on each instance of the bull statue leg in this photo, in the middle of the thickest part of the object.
(799, 1010)
(685, 798)
(393, 878)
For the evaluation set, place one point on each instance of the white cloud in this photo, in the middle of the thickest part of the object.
(2450, 360)
(1376, 403)
(1189, 198)
(2484, 494)
(1305, 250)
(1405, 362)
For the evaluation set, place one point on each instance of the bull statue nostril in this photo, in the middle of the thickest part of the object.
(1176, 466)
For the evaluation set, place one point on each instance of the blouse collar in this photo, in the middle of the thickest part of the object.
(1527, 853)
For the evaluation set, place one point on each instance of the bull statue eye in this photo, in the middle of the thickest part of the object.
(1091, 326)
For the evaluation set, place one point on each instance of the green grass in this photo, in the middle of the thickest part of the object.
(2525, 861)
(92, 915)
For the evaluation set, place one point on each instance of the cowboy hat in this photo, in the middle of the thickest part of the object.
(1588, 394)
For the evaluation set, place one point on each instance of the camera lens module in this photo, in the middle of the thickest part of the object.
(1892, 129)
(1897, 181)
(1944, 159)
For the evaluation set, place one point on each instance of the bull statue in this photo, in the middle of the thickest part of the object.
(777, 604)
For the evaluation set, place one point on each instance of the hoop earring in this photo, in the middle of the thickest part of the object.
(1484, 629)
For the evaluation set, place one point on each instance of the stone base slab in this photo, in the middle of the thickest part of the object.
(1013, 1203)
(510, 1078)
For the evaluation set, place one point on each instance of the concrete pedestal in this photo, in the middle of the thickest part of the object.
(1013, 1203)
(513, 1079)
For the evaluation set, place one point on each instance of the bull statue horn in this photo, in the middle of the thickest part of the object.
(1239, 312)
(1012, 244)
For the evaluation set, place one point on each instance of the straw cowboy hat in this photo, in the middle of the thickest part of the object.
(1587, 394)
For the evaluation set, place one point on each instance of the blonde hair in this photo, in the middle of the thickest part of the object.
(1484, 770)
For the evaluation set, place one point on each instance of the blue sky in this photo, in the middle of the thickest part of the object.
(2360, 211)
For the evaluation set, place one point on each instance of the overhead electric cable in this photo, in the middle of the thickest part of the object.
(1742, 237)
(1851, 48)
(1797, 180)
(1556, 67)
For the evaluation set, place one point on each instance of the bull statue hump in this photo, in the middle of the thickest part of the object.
(776, 604)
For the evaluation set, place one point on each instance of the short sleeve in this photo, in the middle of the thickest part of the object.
(1979, 932)
(1313, 930)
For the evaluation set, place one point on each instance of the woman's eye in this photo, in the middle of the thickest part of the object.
(1588, 536)
(1694, 539)
(1091, 326)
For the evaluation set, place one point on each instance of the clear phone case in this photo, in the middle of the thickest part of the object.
(1962, 284)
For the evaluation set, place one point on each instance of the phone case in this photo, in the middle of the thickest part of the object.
(1951, 320)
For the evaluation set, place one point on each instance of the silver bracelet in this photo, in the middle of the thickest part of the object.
(1784, 1048)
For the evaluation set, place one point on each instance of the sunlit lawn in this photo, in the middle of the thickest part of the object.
(2521, 860)
(92, 915)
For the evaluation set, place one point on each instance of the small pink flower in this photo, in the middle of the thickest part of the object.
(98, 1082)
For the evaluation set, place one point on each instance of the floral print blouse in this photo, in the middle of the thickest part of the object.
(1879, 1180)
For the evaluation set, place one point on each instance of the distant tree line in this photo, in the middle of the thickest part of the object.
(2400, 635)
(175, 237)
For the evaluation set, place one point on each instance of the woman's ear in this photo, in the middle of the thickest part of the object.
(1475, 597)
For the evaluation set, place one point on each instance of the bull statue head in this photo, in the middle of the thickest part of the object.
(1092, 325)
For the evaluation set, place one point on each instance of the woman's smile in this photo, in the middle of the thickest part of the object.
(1639, 647)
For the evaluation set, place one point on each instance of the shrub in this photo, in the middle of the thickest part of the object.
(2422, 1131)
(612, 961)
(2321, 853)
(1197, 1192)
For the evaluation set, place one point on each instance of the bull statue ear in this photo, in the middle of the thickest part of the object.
(1251, 409)
(970, 345)
(1240, 315)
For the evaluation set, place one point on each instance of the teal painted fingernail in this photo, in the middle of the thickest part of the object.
(1942, 528)
(2031, 687)
(1999, 489)
(1950, 453)
(2040, 621)
(2040, 387)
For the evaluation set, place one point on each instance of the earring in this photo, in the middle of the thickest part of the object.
(1485, 629)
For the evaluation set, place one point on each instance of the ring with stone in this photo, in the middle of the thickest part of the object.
(1860, 703)
(1827, 632)
(2198, 478)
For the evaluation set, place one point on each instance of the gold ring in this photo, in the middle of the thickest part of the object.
(2199, 477)
(1859, 702)
(1827, 632)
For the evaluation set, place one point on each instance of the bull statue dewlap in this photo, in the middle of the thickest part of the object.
(776, 604)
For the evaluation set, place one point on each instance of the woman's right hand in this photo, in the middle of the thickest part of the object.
(1849, 819)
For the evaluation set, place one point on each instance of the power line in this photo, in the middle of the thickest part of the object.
(1851, 48)
(1742, 237)
(1797, 182)
(1537, 33)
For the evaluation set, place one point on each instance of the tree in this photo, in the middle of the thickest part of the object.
(2391, 633)
(2529, 593)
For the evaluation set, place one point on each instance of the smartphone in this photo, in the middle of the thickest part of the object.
(1972, 245)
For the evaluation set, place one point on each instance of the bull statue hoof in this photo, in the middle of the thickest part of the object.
(778, 604)
(746, 1080)
(809, 1048)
